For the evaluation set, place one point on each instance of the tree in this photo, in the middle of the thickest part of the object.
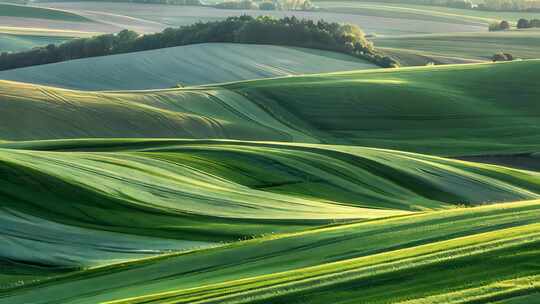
(523, 23)
(502, 57)
(534, 23)
(501, 26)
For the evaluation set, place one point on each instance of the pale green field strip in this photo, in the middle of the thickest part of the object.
(463, 255)
(13, 10)
(185, 65)
(412, 11)
(403, 11)
(472, 46)
(409, 58)
(132, 16)
(28, 31)
(399, 109)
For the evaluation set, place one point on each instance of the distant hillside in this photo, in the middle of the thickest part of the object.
(16, 43)
(437, 110)
(468, 46)
(288, 31)
(13, 10)
(185, 65)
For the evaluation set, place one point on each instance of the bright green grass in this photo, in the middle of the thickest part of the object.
(186, 65)
(435, 110)
(12, 10)
(472, 46)
(144, 197)
(484, 254)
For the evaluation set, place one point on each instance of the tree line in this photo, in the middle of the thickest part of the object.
(288, 31)
(524, 23)
(267, 5)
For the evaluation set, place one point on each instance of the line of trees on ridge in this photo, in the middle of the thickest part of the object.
(288, 31)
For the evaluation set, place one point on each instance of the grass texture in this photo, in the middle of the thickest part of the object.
(395, 109)
(185, 65)
(306, 189)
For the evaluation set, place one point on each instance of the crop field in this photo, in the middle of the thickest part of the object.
(12, 10)
(182, 15)
(474, 253)
(222, 173)
(14, 39)
(275, 190)
(185, 65)
(412, 12)
(469, 46)
(400, 109)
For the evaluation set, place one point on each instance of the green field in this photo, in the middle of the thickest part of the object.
(466, 46)
(412, 185)
(474, 254)
(411, 11)
(148, 17)
(16, 39)
(396, 109)
(186, 65)
(12, 10)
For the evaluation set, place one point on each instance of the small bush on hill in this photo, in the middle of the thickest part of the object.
(524, 23)
(502, 26)
(502, 57)
(288, 31)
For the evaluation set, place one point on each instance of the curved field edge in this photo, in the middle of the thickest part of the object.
(14, 10)
(396, 109)
(185, 65)
(473, 254)
(145, 197)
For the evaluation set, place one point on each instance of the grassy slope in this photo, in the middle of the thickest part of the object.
(178, 15)
(401, 109)
(468, 46)
(14, 39)
(142, 197)
(397, 109)
(444, 48)
(186, 65)
(463, 255)
(411, 11)
(12, 10)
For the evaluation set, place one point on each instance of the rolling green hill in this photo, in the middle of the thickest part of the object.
(15, 39)
(323, 188)
(13, 10)
(465, 46)
(482, 254)
(186, 65)
(403, 9)
(433, 110)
